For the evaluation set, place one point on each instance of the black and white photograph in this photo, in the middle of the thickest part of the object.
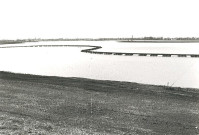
(99, 67)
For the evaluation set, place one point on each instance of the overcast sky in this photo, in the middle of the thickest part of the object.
(98, 18)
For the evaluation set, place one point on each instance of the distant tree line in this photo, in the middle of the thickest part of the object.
(96, 39)
(11, 41)
(166, 38)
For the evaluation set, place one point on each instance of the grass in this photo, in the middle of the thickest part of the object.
(32, 104)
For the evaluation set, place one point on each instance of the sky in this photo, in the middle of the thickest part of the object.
(21, 19)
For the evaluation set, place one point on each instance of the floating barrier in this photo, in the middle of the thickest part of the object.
(93, 48)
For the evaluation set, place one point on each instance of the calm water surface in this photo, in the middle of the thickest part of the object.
(70, 62)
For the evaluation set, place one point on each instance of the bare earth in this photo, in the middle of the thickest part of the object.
(55, 106)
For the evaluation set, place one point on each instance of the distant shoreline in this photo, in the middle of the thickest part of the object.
(128, 40)
(160, 41)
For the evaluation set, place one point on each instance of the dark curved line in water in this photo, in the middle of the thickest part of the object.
(93, 48)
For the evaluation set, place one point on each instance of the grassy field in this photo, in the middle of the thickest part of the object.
(55, 106)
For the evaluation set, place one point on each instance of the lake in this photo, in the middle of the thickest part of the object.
(71, 62)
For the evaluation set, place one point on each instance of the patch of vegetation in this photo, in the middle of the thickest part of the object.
(31, 104)
(11, 41)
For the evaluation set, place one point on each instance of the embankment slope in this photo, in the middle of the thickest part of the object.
(32, 104)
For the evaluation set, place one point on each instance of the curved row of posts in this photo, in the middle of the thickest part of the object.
(93, 48)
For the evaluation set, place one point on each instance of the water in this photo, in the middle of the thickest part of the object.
(70, 62)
